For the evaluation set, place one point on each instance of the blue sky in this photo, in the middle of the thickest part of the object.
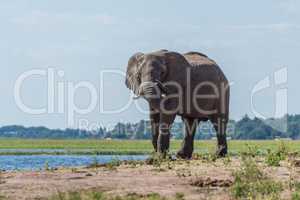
(249, 39)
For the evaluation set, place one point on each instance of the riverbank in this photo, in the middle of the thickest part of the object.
(201, 178)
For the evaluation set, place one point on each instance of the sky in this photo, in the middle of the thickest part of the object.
(88, 44)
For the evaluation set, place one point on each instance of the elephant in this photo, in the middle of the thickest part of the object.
(189, 85)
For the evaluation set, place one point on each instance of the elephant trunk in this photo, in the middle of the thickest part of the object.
(153, 93)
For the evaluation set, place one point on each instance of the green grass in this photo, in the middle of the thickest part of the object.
(94, 195)
(97, 146)
(251, 183)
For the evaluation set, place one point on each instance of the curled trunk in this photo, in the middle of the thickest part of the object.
(151, 91)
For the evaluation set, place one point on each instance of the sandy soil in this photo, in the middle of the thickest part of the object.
(195, 179)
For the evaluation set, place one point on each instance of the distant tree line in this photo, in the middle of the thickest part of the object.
(246, 128)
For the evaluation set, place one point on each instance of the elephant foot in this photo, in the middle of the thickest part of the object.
(163, 155)
(184, 155)
(221, 151)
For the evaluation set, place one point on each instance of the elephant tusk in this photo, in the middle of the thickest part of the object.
(161, 86)
(135, 97)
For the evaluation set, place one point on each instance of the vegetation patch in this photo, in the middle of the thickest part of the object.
(251, 183)
(251, 150)
(112, 165)
(160, 162)
(273, 158)
(206, 157)
(94, 195)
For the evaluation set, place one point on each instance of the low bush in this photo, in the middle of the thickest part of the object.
(295, 196)
(251, 183)
(252, 151)
(273, 158)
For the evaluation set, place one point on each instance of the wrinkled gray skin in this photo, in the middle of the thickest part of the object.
(157, 77)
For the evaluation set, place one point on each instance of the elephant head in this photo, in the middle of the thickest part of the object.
(144, 76)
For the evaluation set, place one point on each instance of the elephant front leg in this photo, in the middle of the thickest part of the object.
(154, 120)
(187, 149)
(163, 142)
(220, 127)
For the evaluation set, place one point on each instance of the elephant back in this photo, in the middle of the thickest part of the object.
(201, 62)
(198, 59)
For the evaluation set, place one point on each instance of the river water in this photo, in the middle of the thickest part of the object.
(39, 162)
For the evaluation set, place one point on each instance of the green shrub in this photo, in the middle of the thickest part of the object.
(96, 195)
(112, 165)
(251, 183)
(296, 196)
(296, 185)
(251, 151)
(179, 196)
(273, 158)
(208, 157)
(68, 196)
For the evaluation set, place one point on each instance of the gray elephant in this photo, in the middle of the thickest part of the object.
(190, 85)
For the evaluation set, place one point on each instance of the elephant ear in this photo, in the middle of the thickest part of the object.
(133, 72)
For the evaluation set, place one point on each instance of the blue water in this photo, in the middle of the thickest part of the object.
(38, 162)
(44, 150)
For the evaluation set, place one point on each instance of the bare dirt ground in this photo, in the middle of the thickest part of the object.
(195, 179)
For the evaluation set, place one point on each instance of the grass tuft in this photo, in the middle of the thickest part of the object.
(273, 158)
(251, 183)
(94, 195)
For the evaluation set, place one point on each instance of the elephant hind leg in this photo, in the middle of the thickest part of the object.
(220, 124)
(187, 149)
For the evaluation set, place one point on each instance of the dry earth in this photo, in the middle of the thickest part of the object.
(195, 179)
